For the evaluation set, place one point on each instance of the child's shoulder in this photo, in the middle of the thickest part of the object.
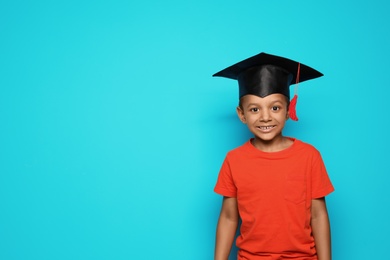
(298, 148)
(245, 146)
(241, 149)
(306, 147)
(303, 144)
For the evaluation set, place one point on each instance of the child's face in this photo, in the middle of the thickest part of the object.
(265, 117)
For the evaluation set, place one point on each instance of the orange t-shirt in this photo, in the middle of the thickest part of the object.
(274, 193)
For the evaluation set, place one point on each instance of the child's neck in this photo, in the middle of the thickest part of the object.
(274, 145)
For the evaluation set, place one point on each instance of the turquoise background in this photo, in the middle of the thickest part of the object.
(113, 130)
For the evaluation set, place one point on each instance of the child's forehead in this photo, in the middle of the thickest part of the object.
(273, 98)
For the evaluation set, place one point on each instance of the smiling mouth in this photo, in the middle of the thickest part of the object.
(266, 128)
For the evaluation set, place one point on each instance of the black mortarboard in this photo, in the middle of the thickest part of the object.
(265, 74)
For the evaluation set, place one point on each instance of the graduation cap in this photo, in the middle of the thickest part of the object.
(265, 74)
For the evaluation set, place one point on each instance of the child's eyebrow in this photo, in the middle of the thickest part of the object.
(252, 105)
(271, 102)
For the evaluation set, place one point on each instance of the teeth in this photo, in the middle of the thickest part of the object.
(265, 127)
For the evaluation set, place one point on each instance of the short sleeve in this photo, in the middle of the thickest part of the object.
(225, 184)
(321, 184)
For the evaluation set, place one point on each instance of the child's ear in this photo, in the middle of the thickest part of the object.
(288, 112)
(241, 115)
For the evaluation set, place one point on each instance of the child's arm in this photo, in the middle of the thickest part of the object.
(321, 228)
(226, 229)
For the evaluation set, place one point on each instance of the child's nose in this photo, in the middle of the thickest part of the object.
(265, 115)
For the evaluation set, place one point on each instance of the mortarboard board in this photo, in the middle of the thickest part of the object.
(265, 74)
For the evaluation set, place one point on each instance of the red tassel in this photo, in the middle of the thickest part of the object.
(292, 108)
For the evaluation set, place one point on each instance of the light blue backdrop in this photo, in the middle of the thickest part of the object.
(113, 130)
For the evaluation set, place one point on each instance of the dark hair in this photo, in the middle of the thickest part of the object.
(240, 103)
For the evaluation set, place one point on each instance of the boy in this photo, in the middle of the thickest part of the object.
(275, 184)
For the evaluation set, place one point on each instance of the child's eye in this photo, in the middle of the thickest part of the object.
(275, 108)
(254, 109)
